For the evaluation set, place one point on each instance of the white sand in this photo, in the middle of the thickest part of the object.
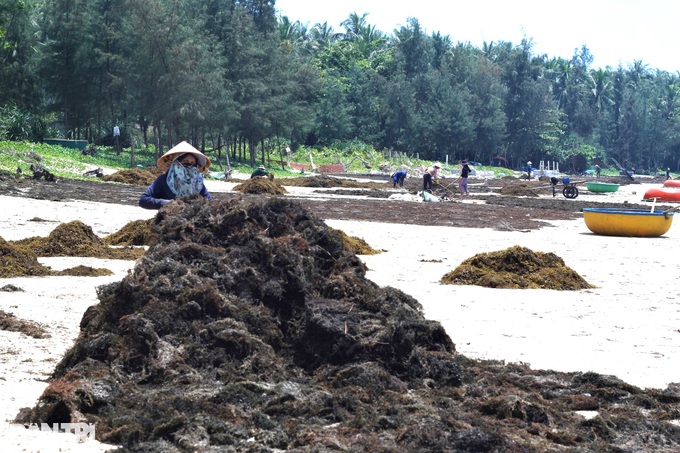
(629, 326)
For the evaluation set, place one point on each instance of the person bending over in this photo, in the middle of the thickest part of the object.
(398, 178)
(431, 174)
(259, 171)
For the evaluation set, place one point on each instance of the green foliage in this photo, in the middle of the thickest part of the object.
(66, 162)
(17, 124)
(216, 71)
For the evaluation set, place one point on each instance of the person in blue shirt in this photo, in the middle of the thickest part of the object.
(184, 166)
(398, 178)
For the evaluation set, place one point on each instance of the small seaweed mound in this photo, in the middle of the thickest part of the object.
(355, 244)
(9, 288)
(85, 271)
(516, 267)
(76, 239)
(10, 323)
(19, 261)
(260, 185)
(137, 232)
(135, 176)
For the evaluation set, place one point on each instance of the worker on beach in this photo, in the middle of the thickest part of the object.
(597, 170)
(398, 178)
(463, 182)
(184, 166)
(259, 171)
(529, 170)
(431, 174)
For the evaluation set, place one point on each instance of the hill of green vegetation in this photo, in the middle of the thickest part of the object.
(72, 163)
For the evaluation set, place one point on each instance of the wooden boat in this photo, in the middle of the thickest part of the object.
(627, 222)
(672, 183)
(593, 186)
(663, 194)
(75, 144)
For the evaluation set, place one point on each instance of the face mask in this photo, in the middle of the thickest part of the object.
(184, 181)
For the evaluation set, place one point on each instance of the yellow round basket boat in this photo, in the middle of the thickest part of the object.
(627, 222)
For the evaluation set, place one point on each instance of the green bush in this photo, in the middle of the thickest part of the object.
(16, 124)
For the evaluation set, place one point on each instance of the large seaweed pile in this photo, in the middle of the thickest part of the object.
(516, 267)
(76, 239)
(250, 328)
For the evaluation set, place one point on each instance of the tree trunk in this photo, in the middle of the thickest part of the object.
(262, 152)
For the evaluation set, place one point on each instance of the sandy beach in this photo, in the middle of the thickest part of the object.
(627, 326)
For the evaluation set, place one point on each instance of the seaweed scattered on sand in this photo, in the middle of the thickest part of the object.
(76, 239)
(250, 327)
(11, 323)
(516, 267)
(9, 288)
(519, 188)
(324, 181)
(370, 193)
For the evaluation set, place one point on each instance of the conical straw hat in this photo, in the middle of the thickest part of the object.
(163, 162)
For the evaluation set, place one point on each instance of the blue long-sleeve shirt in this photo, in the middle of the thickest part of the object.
(159, 194)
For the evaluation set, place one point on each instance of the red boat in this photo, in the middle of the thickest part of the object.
(663, 194)
(672, 183)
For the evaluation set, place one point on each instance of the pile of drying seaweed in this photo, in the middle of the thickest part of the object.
(260, 185)
(249, 327)
(137, 232)
(516, 267)
(136, 176)
(76, 239)
(11, 323)
(87, 271)
(17, 260)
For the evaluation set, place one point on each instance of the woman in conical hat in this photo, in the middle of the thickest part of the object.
(183, 166)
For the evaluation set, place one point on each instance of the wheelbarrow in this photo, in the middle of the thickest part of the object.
(569, 189)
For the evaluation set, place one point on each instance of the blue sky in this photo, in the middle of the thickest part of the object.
(615, 31)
